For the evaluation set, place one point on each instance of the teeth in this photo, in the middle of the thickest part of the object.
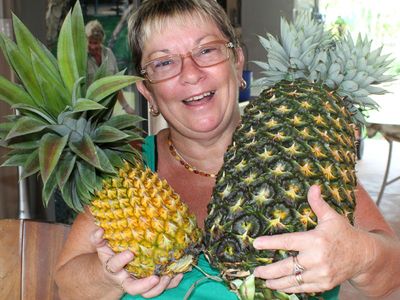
(199, 97)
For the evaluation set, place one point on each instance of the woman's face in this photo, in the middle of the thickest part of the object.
(216, 86)
(93, 45)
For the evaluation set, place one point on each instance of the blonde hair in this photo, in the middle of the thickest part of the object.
(93, 29)
(153, 15)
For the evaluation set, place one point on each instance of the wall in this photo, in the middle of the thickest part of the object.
(259, 16)
(32, 14)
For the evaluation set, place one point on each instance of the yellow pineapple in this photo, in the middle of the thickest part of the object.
(66, 133)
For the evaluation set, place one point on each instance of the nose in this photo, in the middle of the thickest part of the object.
(191, 72)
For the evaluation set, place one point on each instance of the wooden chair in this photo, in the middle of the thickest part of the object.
(28, 252)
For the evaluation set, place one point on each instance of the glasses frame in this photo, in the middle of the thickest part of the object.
(229, 45)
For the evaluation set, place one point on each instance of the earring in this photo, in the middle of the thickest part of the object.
(154, 113)
(243, 85)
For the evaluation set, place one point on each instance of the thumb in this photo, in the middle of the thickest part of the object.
(317, 203)
(96, 238)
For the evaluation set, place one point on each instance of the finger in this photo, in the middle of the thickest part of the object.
(115, 264)
(140, 286)
(288, 282)
(159, 288)
(320, 207)
(175, 281)
(96, 237)
(275, 270)
(294, 241)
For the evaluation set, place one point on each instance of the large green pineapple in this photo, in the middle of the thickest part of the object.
(300, 131)
(65, 131)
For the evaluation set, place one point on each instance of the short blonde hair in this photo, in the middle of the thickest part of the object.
(93, 29)
(153, 15)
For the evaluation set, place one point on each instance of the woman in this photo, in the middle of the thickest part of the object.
(199, 102)
(97, 53)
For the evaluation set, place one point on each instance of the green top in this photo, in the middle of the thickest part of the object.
(206, 289)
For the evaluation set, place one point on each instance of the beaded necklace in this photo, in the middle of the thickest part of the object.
(184, 163)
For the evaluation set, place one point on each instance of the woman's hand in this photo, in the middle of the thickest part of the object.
(113, 267)
(330, 254)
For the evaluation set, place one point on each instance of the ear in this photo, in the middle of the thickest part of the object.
(145, 90)
(239, 63)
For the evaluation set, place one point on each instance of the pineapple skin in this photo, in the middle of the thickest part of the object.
(292, 136)
(141, 213)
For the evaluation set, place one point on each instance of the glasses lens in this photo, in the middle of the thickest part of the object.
(210, 54)
(164, 67)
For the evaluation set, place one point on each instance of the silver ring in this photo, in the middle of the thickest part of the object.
(108, 268)
(299, 279)
(298, 268)
(122, 286)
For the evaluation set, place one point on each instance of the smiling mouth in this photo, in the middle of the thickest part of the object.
(199, 97)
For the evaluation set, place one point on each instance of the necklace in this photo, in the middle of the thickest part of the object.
(184, 163)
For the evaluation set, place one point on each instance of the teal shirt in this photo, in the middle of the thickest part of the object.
(206, 289)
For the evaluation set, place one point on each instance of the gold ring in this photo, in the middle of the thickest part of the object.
(122, 286)
(108, 268)
(298, 268)
(299, 279)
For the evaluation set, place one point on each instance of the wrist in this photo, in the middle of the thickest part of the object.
(125, 106)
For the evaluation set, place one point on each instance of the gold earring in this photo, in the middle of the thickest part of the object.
(243, 85)
(154, 113)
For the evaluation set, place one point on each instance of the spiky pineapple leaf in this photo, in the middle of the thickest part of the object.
(13, 94)
(88, 174)
(79, 39)
(65, 167)
(48, 190)
(50, 149)
(35, 113)
(24, 70)
(24, 126)
(114, 157)
(86, 150)
(16, 160)
(31, 166)
(27, 43)
(105, 86)
(83, 104)
(105, 163)
(108, 134)
(66, 54)
(124, 121)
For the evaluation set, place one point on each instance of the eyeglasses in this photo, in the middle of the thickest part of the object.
(205, 55)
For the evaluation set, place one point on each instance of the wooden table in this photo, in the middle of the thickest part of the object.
(28, 252)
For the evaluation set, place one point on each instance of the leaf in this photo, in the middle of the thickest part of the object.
(106, 165)
(66, 55)
(16, 160)
(79, 39)
(31, 165)
(50, 149)
(114, 158)
(24, 126)
(24, 70)
(13, 94)
(106, 86)
(48, 190)
(65, 167)
(86, 150)
(34, 112)
(108, 134)
(83, 104)
(27, 43)
(123, 121)
(88, 174)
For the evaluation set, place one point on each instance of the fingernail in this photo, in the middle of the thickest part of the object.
(128, 255)
(256, 244)
(154, 280)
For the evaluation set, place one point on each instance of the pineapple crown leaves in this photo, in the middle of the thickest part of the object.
(65, 130)
(307, 51)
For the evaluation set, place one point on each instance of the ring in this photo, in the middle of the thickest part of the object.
(108, 268)
(122, 286)
(299, 279)
(298, 268)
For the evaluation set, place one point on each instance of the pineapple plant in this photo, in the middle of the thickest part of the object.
(65, 131)
(298, 132)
